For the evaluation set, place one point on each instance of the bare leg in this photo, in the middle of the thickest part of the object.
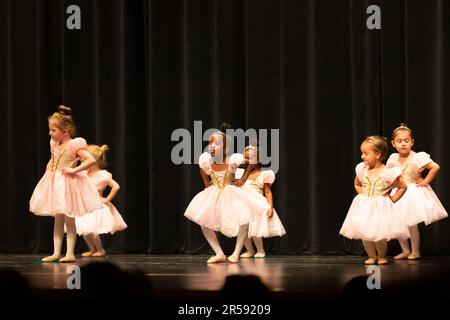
(415, 242)
(260, 253)
(58, 235)
(241, 236)
(211, 237)
(369, 246)
(250, 252)
(381, 247)
(100, 252)
(71, 238)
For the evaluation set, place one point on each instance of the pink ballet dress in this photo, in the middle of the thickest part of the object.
(372, 215)
(263, 226)
(104, 220)
(222, 206)
(418, 204)
(73, 195)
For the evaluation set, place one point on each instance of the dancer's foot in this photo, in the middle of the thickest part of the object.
(100, 253)
(233, 258)
(51, 258)
(382, 261)
(248, 254)
(401, 256)
(371, 261)
(216, 259)
(414, 256)
(87, 254)
(260, 255)
(67, 259)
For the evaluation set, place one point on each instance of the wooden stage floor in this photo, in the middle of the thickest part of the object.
(287, 277)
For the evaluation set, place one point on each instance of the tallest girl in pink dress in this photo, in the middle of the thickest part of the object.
(64, 191)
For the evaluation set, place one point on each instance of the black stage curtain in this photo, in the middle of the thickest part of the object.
(137, 70)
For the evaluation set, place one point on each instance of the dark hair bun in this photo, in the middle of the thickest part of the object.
(224, 126)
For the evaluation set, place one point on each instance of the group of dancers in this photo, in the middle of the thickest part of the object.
(392, 199)
(237, 200)
(72, 188)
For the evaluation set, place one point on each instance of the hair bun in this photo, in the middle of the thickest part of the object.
(104, 148)
(224, 126)
(66, 111)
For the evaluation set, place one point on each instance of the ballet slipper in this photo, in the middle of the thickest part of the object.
(216, 259)
(382, 261)
(87, 254)
(414, 256)
(247, 254)
(371, 261)
(401, 256)
(260, 255)
(51, 258)
(67, 259)
(99, 254)
(233, 259)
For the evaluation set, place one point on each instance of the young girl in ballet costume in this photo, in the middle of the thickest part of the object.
(104, 220)
(65, 191)
(222, 206)
(420, 203)
(266, 225)
(372, 216)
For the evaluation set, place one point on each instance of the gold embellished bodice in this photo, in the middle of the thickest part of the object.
(373, 187)
(60, 160)
(254, 185)
(411, 168)
(409, 174)
(221, 178)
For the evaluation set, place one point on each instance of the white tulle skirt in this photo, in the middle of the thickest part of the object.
(373, 219)
(266, 227)
(105, 220)
(420, 204)
(226, 209)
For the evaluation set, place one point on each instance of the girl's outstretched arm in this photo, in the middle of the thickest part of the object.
(240, 182)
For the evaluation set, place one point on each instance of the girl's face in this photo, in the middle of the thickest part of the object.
(403, 142)
(369, 154)
(216, 146)
(55, 132)
(250, 157)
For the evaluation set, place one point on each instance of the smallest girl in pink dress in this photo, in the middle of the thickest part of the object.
(106, 219)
